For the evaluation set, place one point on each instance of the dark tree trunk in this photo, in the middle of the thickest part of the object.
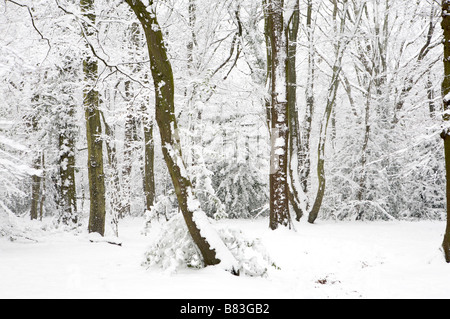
(93, 132)
(162, 74)
(36, 188)
(446, 132)
(305, 157)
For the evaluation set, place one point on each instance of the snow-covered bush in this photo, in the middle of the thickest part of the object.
(165, 208)
(173, 249)
(241, 188)
(5, 223)
(202, 180)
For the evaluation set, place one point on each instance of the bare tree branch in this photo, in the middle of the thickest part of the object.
(33, 23)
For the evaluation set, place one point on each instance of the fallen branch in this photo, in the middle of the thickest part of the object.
(97, 238)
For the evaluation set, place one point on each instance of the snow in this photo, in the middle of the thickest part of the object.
(228, 262)
(12, 144)
(326, 260)
(447, 98)
(19, 168)
(280, 142)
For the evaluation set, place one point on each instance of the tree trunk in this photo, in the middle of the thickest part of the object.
(93, 132)
(212, 248)
(446, 133)
(332, 93)
(66, 161)
(279, 189)
(294, 127)
(36, 179)
(149, 160)
(148, 167)
(305, 157)
(116, 196)
(268, 100)
(36, 188)
(43, 189)
(363, 173)
(130, 138)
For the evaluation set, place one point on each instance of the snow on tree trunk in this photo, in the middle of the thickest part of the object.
(279, 189)
(340, 49)
(304, 164)
(93, 132)
(296, 197)
(212, 248)
(446, 103)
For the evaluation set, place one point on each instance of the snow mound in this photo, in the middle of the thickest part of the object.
(97, 238)
(173, 249)
(17, 229)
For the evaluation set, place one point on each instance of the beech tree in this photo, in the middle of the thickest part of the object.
(212, 248)
(279, 113)
(93, 129)
(341, 16)
(446, 103)
(304, 164)
(296, 192)
(348, 87)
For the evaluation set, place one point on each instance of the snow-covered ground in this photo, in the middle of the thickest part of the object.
(326, 260)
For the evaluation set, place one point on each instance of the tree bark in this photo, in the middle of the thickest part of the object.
(162, 74)
(446, 103)
(36, 181)
(410, 82)
(93, 132)
(113, 177)
(66, 161)
(149, 160)
(268, 100)
(279, 188)
(331, 99)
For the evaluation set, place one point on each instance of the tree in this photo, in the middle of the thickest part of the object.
(93, 129)
(212, 248)
(446, 103)
(305, 148)
(340, 17)
(296, 192)
(36, 183)
(368, 167)
(66, 144)
(279, 114)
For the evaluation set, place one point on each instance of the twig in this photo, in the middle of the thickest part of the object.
(93, 50)
(34, 26)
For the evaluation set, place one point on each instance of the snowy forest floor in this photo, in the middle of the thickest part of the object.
(326, 260)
